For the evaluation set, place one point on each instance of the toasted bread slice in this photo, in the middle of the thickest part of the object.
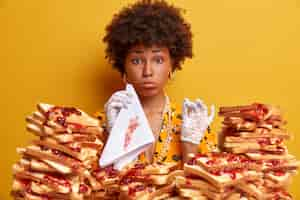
(252, 189)
(77, 150)
(135, 190)
(272, 149)
(275, 185)
(210, 193)
(50, 143)
(252, 145)
(72, 115)
(225, 161)
(51, 120)
(59, 184)
(283, 165)
(55, 156)
(42, 189)
(40, 130)
(234, 196)
(36, 165)
(162, 196)
(158, 179)
(260, 156)
(36, 118)
(98, 194)
(30, 196)
(107, 176)
(159, 168)
(257, 140)
(241, 126)
(172, 176)
(281, 194)
(165, 178)
(258, 132)
(196, 183)
(168, 189)
(280, 177)
(256, 111)
(66, 138)
(223, 179)
(191, 193)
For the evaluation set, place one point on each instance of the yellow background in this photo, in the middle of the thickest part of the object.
(51, 51)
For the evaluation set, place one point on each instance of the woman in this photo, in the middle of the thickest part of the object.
(147, 42)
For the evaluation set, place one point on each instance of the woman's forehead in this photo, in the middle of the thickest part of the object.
(140, 48)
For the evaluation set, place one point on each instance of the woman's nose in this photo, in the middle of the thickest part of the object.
(147, 70)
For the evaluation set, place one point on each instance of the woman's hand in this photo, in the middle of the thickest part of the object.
(195, 120)
(116, 102)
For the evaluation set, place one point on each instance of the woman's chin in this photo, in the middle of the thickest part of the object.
(148, 92)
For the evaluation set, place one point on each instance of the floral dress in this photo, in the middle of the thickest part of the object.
(168, 145)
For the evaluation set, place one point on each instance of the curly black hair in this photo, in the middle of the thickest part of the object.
(148, 22)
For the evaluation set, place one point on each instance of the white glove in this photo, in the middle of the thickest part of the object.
(113, 106)
(195, 120)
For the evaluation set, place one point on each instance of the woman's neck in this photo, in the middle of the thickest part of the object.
(153, 104)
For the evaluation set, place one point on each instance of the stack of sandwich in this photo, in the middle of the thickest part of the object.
(109, 178)
(154, 181)
(59, 164)
(63, 162)
(216, 176)
(257, 131)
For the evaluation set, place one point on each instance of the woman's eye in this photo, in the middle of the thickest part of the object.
(159, 60)
(136, 61)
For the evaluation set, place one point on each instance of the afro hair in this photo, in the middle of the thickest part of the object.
(148, 22)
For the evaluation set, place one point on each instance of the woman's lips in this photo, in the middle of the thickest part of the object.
(148, 85)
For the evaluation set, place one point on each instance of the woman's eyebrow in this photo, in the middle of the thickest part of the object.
(156, 51)
(137, 51)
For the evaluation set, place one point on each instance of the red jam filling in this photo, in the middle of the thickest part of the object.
(139, 166)
(257, 113)
(76, 149)
(61, 113)
(279, 173)
(111, 172)
(264, 141)
(57, 180)
(211, 162)
(83, 188)
(193, 161)
(188, 182)
(231, 172)
(133, 190)
(273, 163)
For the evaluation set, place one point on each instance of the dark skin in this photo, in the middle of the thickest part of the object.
(148, 70)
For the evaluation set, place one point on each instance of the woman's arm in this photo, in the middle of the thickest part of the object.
(187, 148)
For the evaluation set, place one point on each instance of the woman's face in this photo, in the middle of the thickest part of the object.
(148, 68)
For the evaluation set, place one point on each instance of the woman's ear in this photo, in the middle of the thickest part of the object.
(171, 75)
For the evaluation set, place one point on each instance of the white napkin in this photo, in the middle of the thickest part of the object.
(125, 160)
(124, 146)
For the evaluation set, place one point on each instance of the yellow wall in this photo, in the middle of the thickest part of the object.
(51, 51)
